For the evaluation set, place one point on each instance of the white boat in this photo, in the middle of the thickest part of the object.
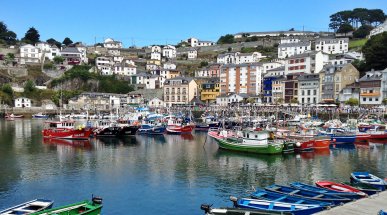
(28, 207)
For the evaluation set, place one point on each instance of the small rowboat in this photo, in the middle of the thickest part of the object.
(277, 197)
(268, 206)
(308, 187)
(86, 207)
(340, 187)
(29, 207)
(307, 194)
(208, 210)
(367, 178)
(370, 190)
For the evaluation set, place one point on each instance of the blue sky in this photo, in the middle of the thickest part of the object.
(146, 22)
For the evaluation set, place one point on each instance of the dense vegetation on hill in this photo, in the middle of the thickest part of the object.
(80, 78)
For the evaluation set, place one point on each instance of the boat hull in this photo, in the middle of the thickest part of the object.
(172, 129)
(128, 130)
(366, 178)
(158, 130)
(228, 144)
(83, 133)
(107, 132)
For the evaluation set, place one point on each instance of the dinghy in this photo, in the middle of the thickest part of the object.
(308, 187)
(367, 178)
(28, 207)
(336, 200)
(341, 188)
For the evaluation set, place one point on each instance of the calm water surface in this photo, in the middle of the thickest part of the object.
(157, 175)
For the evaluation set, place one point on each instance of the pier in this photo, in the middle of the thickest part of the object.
(370, 205)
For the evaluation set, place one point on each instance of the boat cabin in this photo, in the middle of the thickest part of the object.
(60, 125)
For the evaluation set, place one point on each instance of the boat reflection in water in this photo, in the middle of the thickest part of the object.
(86, 144)
(322, 151)
(113, 141)
(344, 146)
(187, 136)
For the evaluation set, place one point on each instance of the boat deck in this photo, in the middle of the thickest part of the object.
(371, 205)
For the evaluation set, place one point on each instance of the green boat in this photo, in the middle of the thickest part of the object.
(86, 207)
(249, 141)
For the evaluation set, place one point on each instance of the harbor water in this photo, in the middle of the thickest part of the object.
(167, 174)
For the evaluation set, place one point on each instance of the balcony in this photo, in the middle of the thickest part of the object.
(370, 94)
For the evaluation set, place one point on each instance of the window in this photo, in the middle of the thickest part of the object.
(364, 99)
(370, 99)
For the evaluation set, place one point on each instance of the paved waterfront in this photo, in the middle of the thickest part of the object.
(371, 205)
(168, 174)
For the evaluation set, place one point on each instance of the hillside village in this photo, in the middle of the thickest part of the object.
(277, 67)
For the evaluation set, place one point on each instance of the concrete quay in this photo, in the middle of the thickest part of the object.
(371, 205)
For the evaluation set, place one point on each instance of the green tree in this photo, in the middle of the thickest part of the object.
(67, 41)
(375, 52)
(376, 16)
(226, 39)
(203, 64)
(58, 59)
(294, 101)
(352, 102)
(53, 42)
(6, 88)
(10, 57)
(32, 36)
(363, 31)
(9, 37)
(29, 87)
(345, 28)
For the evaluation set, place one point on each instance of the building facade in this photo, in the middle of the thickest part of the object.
(179, 90)
(332, 45)
(308, 89)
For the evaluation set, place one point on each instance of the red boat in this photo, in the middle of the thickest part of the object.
(66, 130)
(180, 129)
(339, 187)
(13, 116)
(307, 145)
(322, 142)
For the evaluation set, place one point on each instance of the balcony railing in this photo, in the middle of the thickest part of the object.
(370, 94)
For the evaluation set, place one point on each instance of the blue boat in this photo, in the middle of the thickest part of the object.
(336, 200)
(29, 207)
(382, 212)
(208, 210)
(340, 135)
(148, 129)
(308, 187)
(277, 197)
(367, 178)
(268, 206)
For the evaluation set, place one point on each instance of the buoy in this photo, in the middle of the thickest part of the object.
(334, 140)
(298, 144)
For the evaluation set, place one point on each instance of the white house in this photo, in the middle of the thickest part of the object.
(332, 45)
(308, 62)
(124, 69)
(150, 81)
(194, 42)
(238, 58)
(71, 55)
(29, 54)
(289, 49)
(156, 49)
(230, 99)
(169, 65)
(379, 29)
(83, 50)
(156, 102)
(308, 89)
(104, 65)
(155, 55)
(289, 40)
(22, 102)
(192, 54)
(110, 43)
(169, 51)
(271, 65)
(152, 66)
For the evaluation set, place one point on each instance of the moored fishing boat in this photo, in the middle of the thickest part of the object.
(250, 141)
(273, 196)
(370, 179)
(148, 129)
(86, 207)
(334, 199)
(323, 190)
(176, 126)
(28, 207)
(341, 188)
(340, 135)
(40, 116)
(66, 130)
(268, 206)
(106, 128)
(13, 116)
